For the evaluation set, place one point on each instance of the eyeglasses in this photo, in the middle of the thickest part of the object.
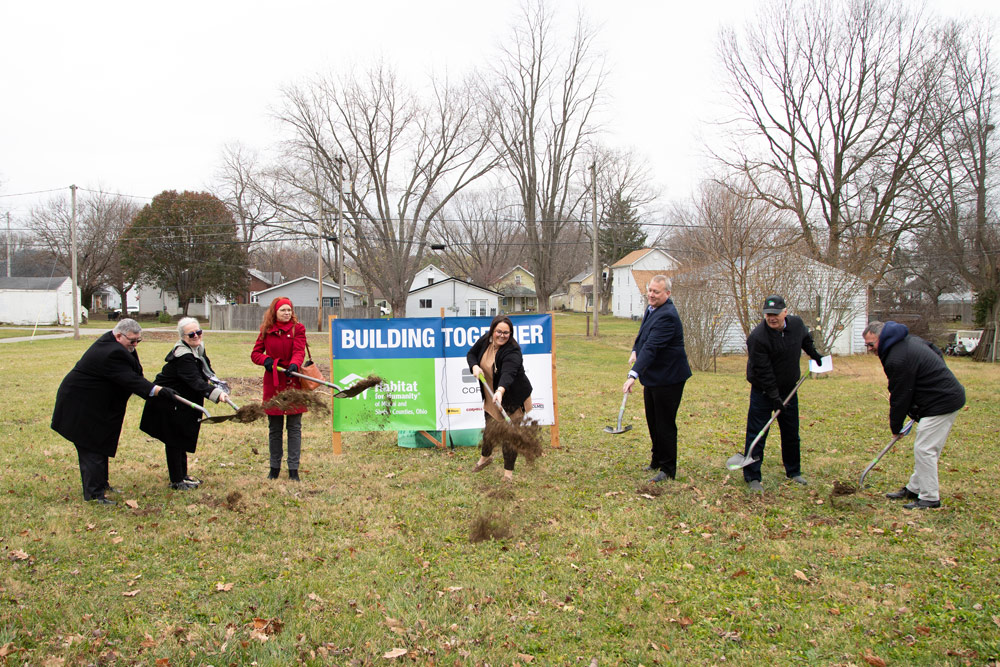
(500, 332)
(195, 334)
(133, 341)
(870, 346)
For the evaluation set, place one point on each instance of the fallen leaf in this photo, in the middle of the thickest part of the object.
(996, 621)
(873, 660)
(162, 662)
(833, 611)
(394, 653)
(525, 657)
(117, 540)
(130, 594)
(390, 475)
(799, 574)
(223, 588)
(314, 597)
(133, 504)
(17, 554)
(739, 573)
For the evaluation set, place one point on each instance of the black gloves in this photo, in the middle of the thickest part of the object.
(292, 368)
(776, 403)
(166, 392)
(268, 363)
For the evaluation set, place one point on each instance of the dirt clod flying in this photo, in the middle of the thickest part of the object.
(292, 399)
(523, 437)
(360, 386)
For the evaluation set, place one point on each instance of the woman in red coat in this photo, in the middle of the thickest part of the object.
(282, 342)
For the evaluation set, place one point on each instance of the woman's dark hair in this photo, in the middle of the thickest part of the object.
(501, 319)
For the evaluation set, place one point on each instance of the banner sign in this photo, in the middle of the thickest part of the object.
(427, 384)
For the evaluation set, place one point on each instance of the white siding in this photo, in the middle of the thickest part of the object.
(28, 307)
(453, 296)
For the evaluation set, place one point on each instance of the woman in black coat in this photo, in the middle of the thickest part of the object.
(497, 356)
(187, 371)
(91, 401)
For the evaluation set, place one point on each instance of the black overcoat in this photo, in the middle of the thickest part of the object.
(172, 422)
(91, 401)
(508, 371)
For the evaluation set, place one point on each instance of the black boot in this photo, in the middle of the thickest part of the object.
(274, 473)
(293, 475)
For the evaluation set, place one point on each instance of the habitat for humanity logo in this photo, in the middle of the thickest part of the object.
(348, 380)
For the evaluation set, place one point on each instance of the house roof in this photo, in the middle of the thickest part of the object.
(269, 277)
(516, 290)
(448, 280)
(631, 258)
(41, 284)
(642, 278)
(580, 277)
(513, 269)
(326, 283)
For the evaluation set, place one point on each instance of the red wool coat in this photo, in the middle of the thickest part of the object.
(286, 344)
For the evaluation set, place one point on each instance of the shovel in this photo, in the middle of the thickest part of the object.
(621, 413)
(340, 393)
(489, 392)
(895, 438)
(222, 418)
(207, 415)
(737, 461)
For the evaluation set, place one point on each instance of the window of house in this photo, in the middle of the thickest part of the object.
(478, 307)
(197, 299)
(430, 281)
(426, 303)
(517, 279)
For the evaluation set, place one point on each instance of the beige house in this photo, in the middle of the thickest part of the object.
(579, 294)
(517, 290)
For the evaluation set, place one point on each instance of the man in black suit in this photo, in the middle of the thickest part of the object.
(659, 362)
(91, 401)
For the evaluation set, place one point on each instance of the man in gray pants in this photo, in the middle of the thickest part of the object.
(922, 386)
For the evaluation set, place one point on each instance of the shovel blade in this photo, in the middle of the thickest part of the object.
(616, 431)
(737, 461)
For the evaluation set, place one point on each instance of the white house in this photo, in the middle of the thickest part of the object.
(428, 275)
(38, 301)
(153, 299)
(304, 291)
(457, 297)
(631, 274)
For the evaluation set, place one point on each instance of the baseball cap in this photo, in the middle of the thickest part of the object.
(773, 305)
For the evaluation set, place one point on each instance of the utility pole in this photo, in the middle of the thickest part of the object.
(597, 266)
(8, 244)
(340, 232)
(72, 253)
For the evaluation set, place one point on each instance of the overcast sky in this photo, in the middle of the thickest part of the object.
(140, 97)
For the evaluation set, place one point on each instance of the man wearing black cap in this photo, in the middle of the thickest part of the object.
(774, 348)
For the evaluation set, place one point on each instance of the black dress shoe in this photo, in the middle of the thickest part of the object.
(182, 486)
(922, 505)
(648, 468)
(193, 481)
(102, 501)
(660, 477)
(111, 489)
(903, 494)
(274, 473)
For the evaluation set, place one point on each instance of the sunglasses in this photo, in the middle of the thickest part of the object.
(195, 333)
(133, 341)
(870, 345)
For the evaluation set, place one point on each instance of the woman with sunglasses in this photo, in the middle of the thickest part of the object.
(187, 371)
(281, 343)
(497, 357)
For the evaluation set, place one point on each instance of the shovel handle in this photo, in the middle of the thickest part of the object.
(895, 439)
(181, 399)
(489, 392)
(312, 379)
(775, 416)
(621, 411)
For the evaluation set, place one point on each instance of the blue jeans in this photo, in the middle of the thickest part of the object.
(788, 421)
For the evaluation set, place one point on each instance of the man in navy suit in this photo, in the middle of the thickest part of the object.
(659, 362)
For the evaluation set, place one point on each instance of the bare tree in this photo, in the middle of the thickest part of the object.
(481, 234)
(541, 97)
(956, 185)
(101, 220)
(403, 156)
(251, 194)
(705, 317)
(834, 102)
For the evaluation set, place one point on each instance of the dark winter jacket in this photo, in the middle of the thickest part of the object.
(91, 401)
(508, 371)
(660, 359)
(172, 422)
(920, 383)
(773, 356)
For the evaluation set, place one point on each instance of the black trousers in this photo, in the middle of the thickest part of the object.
(661, 417)
(177, 464)
(758, 414)
(93, 472)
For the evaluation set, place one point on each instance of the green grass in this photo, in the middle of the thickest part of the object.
(371, 552)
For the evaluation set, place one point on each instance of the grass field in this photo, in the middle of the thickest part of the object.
(370, 556)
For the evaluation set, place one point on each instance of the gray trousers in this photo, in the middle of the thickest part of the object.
(931, 435)
(274, 428)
